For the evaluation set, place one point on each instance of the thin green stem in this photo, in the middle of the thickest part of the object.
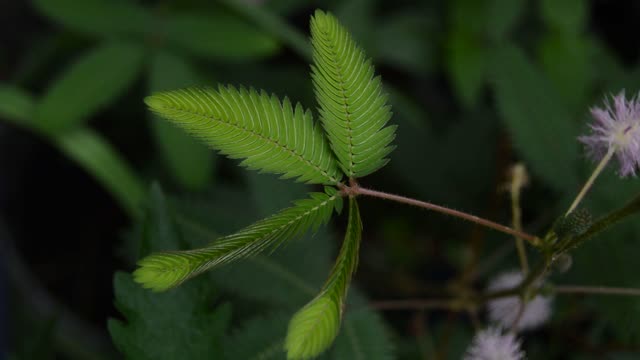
(357, 190)
(603, 290)
(605, 160)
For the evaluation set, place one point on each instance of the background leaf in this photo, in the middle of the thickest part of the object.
(96, 79)
(97, 17)
(542, 129)
(363, 337)
(16, 105)
(218, 35)
(167, 326)
(568, 16)
(191, 162)
(175, 325)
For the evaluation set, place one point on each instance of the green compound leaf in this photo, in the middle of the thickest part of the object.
(271, 135)
(94, 81)
(164, 270)
(353, 109)
(315, 326)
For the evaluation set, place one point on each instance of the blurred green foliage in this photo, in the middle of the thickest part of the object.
(475, 86)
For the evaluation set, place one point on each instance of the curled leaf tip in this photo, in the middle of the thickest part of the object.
(155, 102)
(313, 328)
(160, 272)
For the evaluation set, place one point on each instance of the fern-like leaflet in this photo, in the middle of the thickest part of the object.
(353, 109)
(271, 135)
(161, 271)
(315, 326)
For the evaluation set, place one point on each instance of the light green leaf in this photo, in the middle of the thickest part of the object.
(353, 108)
(93, 82)
(218, 35)
(16, 106)
(97, 17)
(96, 156)
(164, 270)
(190, 162)
(541, 127)
(314, 327)
(271, 135)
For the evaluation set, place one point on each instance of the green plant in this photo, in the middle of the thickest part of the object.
(274, 136)
(277, 137)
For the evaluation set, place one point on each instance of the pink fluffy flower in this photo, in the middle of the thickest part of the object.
(505, 311)
(616, 128)
(492, 344)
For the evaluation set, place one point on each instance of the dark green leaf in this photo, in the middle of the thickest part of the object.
(567, 61)
(502, 16)
(466, 65)
(16, 106)
(96, 79)
(218, 36)
(190, 162)
(407, 41)
(172, 326)
(568, 16)
(363, 337)
(542, 129)
(97, 17)
(259, 338)
(180, 324)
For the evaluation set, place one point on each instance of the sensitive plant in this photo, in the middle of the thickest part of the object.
(353, 139)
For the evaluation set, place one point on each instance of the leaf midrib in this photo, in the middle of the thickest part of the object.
(342, 89)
